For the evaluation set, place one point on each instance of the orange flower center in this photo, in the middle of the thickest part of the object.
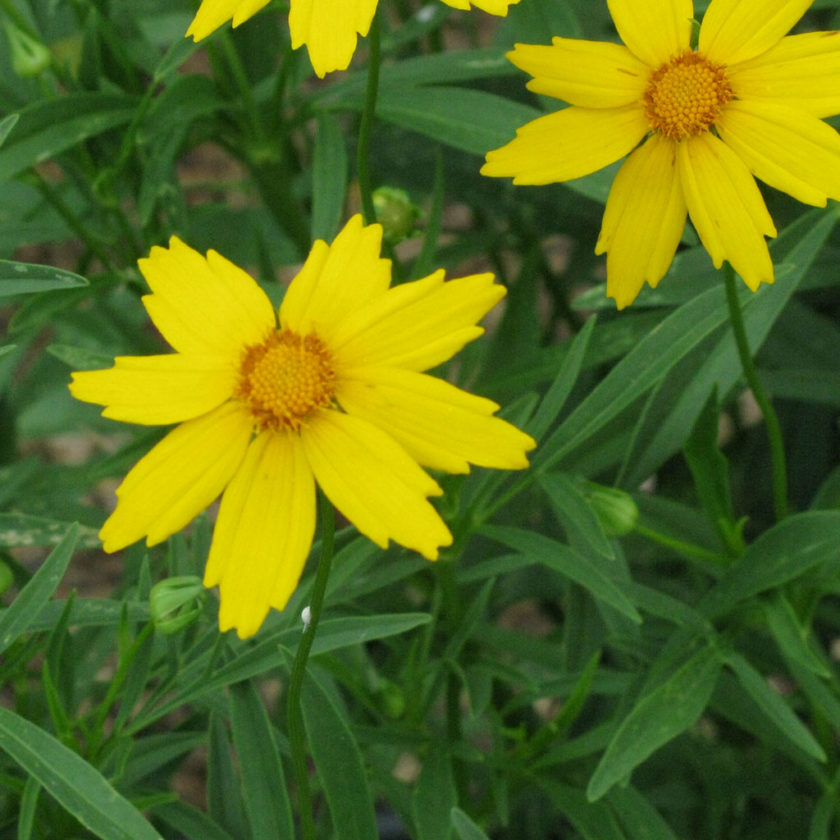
(284, 379)
(685, 95)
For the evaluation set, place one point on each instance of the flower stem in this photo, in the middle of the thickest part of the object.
(363, 150)
(294, 715)
(774, 432)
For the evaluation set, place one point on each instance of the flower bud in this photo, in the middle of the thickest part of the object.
(616, 510)
(175, 603)
(395, 212)
(29, 56)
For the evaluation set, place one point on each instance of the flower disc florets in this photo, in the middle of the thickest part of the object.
(284, 379)
(685, 95)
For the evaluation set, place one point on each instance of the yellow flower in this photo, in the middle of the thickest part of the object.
(327, 27)
(748, 101)
(335, 394)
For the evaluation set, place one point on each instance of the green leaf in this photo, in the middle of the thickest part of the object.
(667, 711)
(90, 612)
(17, 278)
(435, 796)
(465, 827)
(640, 820)
(565, 561)
(329, 177)
(790, 635)
(18, 617)
(28, 808)
(594, 821)
(76, 785)
(49, 127)
(774, 706)
(223, 800)
(789, 550)
(266, 799)
(189, 821)
(20, 529)
(338, 762)
(6, 125)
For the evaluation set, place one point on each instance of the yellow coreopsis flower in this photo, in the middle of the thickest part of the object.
(334, 393)
(747, 102)
(329, 28)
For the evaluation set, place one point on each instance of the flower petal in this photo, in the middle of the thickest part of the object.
(178, 478)
(329, 29)
(802, 71)
(263, 533)
(373, 481)
(416, 325)
(654, 30)
(336, 279)
(493, 7)
(156, 390)
(735, 31)
(212, 14)
(204, 306)
(643, 221)
(568, 144)
(439, 425)
(787, 149)
(591, 74)
(726, 207)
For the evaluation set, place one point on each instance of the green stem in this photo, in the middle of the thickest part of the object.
(294, 715)
(680, 546)
(363, 151)
(774, 432)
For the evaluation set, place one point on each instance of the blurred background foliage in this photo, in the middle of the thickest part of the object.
(629, 646)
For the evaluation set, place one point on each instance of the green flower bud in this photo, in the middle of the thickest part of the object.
(395, 212)
(392, 698)
(615, 509)
(29, 56)
(175, 603)
(7, 578)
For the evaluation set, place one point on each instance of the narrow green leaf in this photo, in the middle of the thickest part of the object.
(774, 706)
(189, 821)
(6, 125)
(565, 561)
(17, 278)
(329, 177)
(90, 612)
(28, 807)
(151, 752)
(823, 816)
(21, 529)
(657, 718)
(264, 786)
(640, 820)
(18, 617)
(786, 552)
(593, 820)
(223, 799)
(339, 764)
(434, 796)
(790, 636)
(465, 827)
(75, 784)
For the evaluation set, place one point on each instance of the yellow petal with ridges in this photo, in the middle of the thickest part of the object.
(643, 221)
(439, 425)
(373, 481)
(178, 478)
(789, 150)
(329, 29)
(654, 30)
(156, 390)
(335, 280)
(204, 305)
(212, 14)
(568, 144)
(493, 7)
(726, 207)
(802, 71)
(738, 30)
(416, 325)
(263, 533)
(591, 74)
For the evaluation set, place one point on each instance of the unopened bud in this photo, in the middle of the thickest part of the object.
(616, 509)
(29, 56)
(175, 603)
(395, 212)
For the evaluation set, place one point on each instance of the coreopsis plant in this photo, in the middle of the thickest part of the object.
(333, 393)
(328, 28)
(697, 124)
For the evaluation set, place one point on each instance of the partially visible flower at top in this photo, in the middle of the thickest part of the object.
(329, 28)
(334, 393)
(748, 101)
